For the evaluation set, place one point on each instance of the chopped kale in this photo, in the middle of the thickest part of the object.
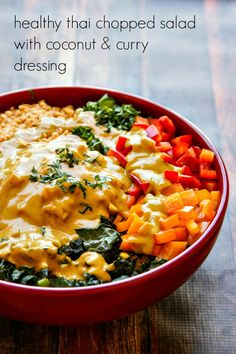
(27, 276)
(66, 156)
(73, 250)
(104, 239)
(23, 275)
(62, 282)
(93, 143)
(123, 267)
(156, 263)
(110, 114)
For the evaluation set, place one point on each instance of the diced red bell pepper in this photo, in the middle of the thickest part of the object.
(164, 146)
(140, 125)
(127, 150)
(141, 122)
(168, 158)
(121, 158)
(189, 181)
(172, 176)
(153, 133)
(120, 145)
(134, 190)
(197, 150)
(186, 170)
(143, 185)
(165, 136)
(182, 139)
(189, 160)
(167, 124)
(155, 121)
(180, 149)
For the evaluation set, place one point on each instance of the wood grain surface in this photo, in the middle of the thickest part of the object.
(192, 72)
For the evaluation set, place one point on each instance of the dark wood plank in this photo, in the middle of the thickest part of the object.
(21, 338)
(126, 336)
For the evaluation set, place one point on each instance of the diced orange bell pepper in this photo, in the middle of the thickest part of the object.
(170, 222)
(203, 225)
(206, 156)
(172, 203)
(185, 213)
(180, 233)
(130, 200)
(124, 225)
(206, 210)
(136, 208)
(208, 174)
(156, 250)
(174, 188)
(164, 236)
(172, 249)
(117, 219)
(135, 225)
(215, 197)
(202, 194)
(192, 227)
(125, 246)
(189, 197)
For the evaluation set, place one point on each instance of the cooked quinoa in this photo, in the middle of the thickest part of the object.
(30, 115)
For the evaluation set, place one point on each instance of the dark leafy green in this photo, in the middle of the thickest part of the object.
(23, 275)
(93, 143)
(100, 239)
(73, 250)
(110, 114)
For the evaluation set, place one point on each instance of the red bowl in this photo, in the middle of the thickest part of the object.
(113, 300)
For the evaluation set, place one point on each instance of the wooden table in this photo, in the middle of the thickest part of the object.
(193, 72)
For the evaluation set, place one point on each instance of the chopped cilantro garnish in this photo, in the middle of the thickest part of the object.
(98, 182)
(66, 156)
(86, 207)
(65, 181)
(110, 114)
(55, 176)
(93, 143)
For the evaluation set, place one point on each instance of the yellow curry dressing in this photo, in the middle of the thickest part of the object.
(26, 207)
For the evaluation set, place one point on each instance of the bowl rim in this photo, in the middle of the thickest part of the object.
(212, 228)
